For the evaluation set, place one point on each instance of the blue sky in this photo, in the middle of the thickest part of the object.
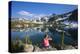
(30, 10)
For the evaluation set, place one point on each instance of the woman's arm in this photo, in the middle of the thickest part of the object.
(50, 38)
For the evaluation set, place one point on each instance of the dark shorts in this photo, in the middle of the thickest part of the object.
(46, 46)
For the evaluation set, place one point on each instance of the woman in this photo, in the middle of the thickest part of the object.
(46, 41)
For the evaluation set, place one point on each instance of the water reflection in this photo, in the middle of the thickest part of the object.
(36, 34)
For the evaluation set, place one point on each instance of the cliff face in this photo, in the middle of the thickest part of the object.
(74, 16)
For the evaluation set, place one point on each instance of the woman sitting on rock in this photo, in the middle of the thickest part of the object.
(46, 41)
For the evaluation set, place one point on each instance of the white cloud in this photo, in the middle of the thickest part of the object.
(29, 14)
(26, 13)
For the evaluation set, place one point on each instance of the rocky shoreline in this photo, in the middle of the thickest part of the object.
(32, 48)
(26, 45)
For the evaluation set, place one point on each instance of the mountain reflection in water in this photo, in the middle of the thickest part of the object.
(36, 34)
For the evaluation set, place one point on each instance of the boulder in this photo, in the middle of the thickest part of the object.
(69, 47)
(28, 48)
(37, 49)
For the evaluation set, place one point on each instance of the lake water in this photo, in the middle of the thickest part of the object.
(37, 34)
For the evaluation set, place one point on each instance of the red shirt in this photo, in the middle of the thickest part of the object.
(46, 42)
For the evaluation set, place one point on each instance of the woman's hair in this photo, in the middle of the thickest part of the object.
(45, 35)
